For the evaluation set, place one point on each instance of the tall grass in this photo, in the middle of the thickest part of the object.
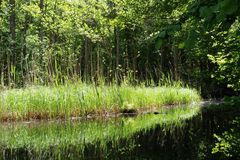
(41, 102)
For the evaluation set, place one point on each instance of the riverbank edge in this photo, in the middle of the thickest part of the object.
(106, 115)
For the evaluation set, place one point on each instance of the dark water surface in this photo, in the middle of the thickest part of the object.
(177, 133)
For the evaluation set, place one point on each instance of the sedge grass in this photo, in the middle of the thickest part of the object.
(41, 102)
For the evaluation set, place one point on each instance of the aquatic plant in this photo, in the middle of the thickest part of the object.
(72, 100)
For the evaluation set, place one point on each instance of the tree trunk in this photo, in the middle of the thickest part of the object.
(175, 59)
(12, 22)
(86, 58)
(134, 59)
(126, 56)
(24, 47)
(2, 60)
(41, 6)
(12, 27)
(91, 59)
(116, 32)
(98, 63)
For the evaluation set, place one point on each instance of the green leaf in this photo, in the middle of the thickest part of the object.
(159, 43)
(206, 12)
(192, 38)
(228, 7)
(172, 29)
(162, 34)
(181, 45)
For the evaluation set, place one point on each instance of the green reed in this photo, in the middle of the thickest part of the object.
(72, 100)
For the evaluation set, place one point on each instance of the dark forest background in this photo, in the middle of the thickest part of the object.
(45, 42)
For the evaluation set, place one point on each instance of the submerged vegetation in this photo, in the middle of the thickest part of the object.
(81, 99)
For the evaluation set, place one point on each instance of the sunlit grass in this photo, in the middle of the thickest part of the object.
(40, 102)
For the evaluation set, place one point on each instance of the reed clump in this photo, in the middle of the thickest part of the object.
(79, 99)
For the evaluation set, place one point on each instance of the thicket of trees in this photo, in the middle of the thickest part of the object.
(51, 41)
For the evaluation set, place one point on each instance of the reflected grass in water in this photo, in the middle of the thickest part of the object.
(54, 139)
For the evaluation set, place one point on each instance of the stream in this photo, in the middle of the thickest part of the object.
(183, 132)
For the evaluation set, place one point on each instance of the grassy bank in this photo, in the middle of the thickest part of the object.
(81, 99)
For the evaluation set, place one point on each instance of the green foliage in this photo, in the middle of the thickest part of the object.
(232, 101)
(208, 34)
(228, 56)
(228, 144)
(51, 42)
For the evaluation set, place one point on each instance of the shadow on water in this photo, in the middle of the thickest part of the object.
(176, 133)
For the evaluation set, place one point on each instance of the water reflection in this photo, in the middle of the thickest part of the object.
(176, 133)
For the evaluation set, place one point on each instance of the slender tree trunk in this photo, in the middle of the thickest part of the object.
(98, 62)
(134, 61)
(12, 23)
(91, 58)
(2, 75)
(41, 6)
(12, 27)
(175, 59)
(180, 64)
(8, 69)
(24, 47)
(126, 56)
(41, 35)
(2, 61)
(117, 52)
(86, 58)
